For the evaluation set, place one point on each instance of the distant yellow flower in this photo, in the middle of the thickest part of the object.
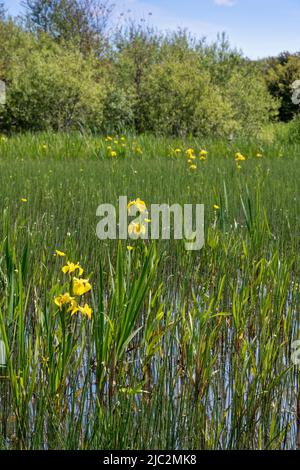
(86, 311)
(238, 166)
(70, 268)
(60, 253)
(23, 199)
(108, 138)
(73, 307)
(216, 207)
(44, 147)
(113, 153)
(138, 150)
(177, 151)
(193, 167)
(123, 138)
(192, 157)
(63, 299)
(189, 152)
(203, 155)
(138, 204)
(136, 229)
(81, 286)
(130, 248)
(239, 157)
(259, 155)
(116, 142)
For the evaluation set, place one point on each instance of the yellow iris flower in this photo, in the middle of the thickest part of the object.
(136, 229)
(239, 157)
(138, 204)
(73, 307)
(60, 253)
(86, 311)
(63, 299)
(70, 268)
(81, 286)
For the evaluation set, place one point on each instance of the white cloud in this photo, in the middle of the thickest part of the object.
(225, 3)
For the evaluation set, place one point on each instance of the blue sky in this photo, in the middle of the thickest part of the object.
(258, 27)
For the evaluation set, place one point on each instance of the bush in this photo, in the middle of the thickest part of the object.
(50, 86)
(168, 84)
(183, 86)
(253, 106)
(118, 109)
(280, 72)
(180, 99)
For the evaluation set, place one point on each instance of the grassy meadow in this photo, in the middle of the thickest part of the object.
(182, 350)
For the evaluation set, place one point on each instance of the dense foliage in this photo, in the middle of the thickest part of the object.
(74, 74)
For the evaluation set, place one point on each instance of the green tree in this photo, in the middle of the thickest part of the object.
(281, 72)
(181, 99)
(82, 22)
(137, 50)
(52, 87)
(2, 11)
(251, 101)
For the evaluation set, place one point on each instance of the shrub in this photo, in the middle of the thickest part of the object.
(50, 86)
(252, 104)
(180, 99)
(168, 84)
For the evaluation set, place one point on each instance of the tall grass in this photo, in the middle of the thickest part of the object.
(188, 350)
